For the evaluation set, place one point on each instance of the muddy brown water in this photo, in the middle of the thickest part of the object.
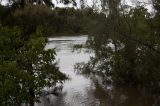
(88, 91)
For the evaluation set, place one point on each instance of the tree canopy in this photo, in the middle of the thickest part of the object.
(23, 3)
(128, 50)
(25, 67)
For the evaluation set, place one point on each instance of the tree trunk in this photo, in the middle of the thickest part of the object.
(32, 97)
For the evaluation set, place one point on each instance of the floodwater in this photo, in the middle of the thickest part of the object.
(81, 90)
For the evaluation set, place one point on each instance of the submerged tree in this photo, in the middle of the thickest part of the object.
(128, 50)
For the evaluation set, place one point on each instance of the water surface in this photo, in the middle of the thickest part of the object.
(88, 91)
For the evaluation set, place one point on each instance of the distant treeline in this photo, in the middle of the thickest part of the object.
(57, 21)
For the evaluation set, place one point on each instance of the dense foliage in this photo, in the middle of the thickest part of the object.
(25, 66)
(23, 3)
(126, 42)
(56, 21)
(128, 50)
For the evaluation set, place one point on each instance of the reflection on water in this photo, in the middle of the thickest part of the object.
(87, 91)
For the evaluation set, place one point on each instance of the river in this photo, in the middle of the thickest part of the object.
(81, 90)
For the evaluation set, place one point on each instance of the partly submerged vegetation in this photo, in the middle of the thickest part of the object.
(127, 47)
(125, 40)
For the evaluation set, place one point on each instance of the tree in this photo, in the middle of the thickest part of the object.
(128, 50)
(26, 67)
(49, 3)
